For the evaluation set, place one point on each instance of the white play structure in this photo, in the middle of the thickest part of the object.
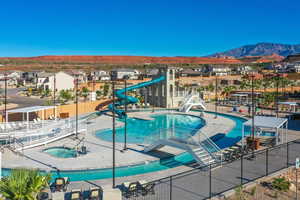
(190, 101)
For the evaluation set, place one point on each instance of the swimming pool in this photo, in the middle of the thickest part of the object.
(61, 152)
(233, 136)
(140, 131)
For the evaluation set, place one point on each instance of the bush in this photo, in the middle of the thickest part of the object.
(281, 184)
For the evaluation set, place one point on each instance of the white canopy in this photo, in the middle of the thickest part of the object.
(288, 103)
(30, 109)
(279, 125)
(266, 122)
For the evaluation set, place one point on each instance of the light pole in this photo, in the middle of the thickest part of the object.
(125, 127)
(113, 78)
(277, 94)
(216, 95)
(54, 94)
(76, 99)
(5, 98)
(253, 113)
(153, 98)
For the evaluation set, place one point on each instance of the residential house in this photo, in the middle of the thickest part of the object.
(220, 70)
(78, 75)
(293, 67)
(99, 76)
(63, 81)
(122, 73)
(245, 69)
(31, 76)
(190, 73)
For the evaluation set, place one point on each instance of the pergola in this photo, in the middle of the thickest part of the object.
(279, 125)
(239, 96)
(290, 104)
(31, 109)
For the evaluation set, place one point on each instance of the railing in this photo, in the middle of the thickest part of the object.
(42, 135)
(191, 136)
(209, 146)
(186, 100)
(215, 181)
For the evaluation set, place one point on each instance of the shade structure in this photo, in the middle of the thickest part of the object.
(278, 125)
(30, 109)
(266, 122)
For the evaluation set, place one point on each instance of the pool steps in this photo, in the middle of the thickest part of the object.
(200, 154)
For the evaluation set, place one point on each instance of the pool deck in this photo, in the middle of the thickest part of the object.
(100, 152)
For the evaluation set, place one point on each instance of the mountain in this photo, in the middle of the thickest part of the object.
(260, 49)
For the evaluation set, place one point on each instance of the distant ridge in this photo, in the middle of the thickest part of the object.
(125, 59)
(260, 49)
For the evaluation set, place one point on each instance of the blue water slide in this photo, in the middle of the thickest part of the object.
(123, 99)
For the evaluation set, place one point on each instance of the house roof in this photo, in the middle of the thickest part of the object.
(124, 70)
(44, 75)
(190, 71)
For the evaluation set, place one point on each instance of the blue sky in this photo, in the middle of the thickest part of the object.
(140, 27)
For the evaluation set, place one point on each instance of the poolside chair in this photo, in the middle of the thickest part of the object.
(8, 126)
(61, 183)
(2, 127)
(146, 188)
(130, 189)
(96, 193)
(76, 194)
(267, 141)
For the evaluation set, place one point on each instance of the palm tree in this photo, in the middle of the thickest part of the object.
(227, 90)
(23, 184)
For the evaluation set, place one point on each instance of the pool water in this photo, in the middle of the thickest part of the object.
(141, 131)
(61, 152)
(232, 137)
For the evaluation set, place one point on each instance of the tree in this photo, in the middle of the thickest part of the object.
(105, 89)
(98, 93)
(228, 89)
(65, 95)
(23, 184)
(85, 92)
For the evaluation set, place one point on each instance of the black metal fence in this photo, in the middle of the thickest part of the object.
(211, 181)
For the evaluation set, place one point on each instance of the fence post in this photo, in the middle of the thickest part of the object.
(210, 189)
(171, 187)
(287, 155)
(242, 168)
(267, 162)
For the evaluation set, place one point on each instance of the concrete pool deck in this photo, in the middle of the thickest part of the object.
(100, 152)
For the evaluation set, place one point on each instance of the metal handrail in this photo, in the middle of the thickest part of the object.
(215, 147)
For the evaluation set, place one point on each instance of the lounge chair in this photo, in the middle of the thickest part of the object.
(96, 193)
(146, 188)
(8, 126)
(61, 183)
(130, 189)
(267, 141)
(76, 194)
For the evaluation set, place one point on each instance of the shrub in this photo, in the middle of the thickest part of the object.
(281, 184)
